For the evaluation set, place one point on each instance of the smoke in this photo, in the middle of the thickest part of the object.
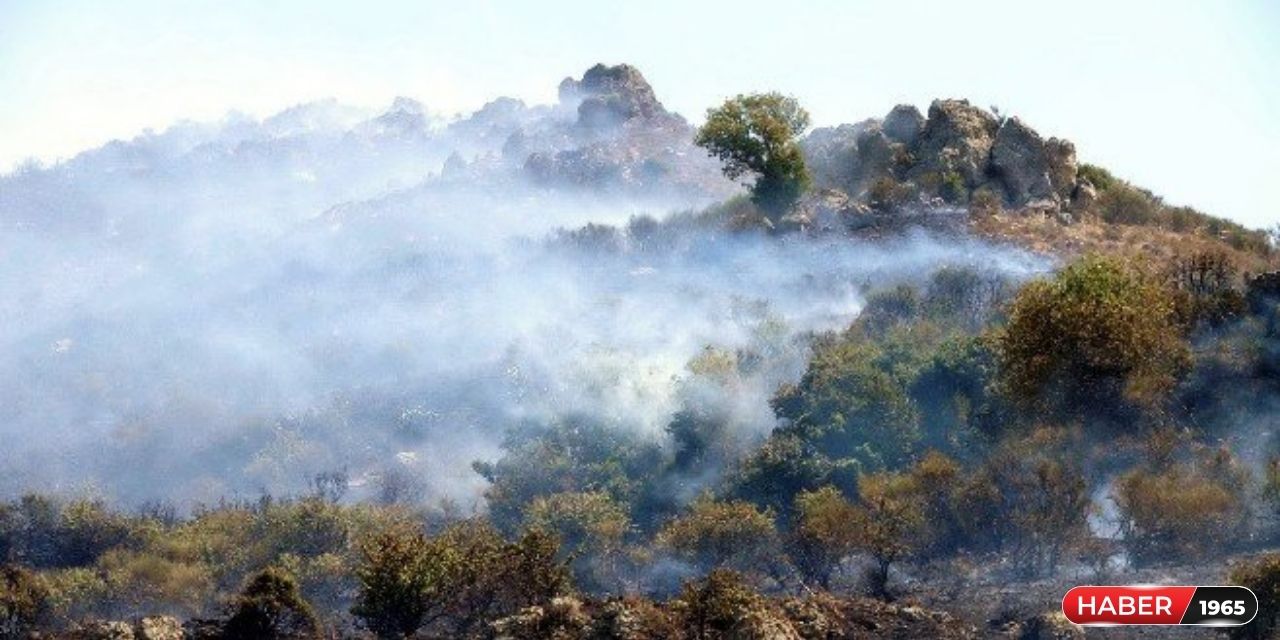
(221, 310)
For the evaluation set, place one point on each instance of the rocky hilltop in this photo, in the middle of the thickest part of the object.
(957, 153)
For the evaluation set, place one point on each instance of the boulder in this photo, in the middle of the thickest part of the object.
(1063, 167)
(831, 153)
(903, 124)
(1021, 161)
(1083, 196)
(608, 96)
(826, 211)
(957, 138)
(875, 157)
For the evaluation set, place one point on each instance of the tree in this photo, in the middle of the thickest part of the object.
(756, 134)
(590, 527)
(734, 535)
(890, 523)
(1185, 510)
(455, 582)
(270, 607)
(850, 406)
(24, 600)
(1096, 342)
(723, 605)
(822, 537)
(401, 576)
(1029, 498)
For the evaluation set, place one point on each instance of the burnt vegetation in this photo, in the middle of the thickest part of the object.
(968, 420)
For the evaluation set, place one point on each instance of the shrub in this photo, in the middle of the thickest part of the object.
(985, 202)
(719, 606)
(850, 407)
(1097, 339)
(890, 523)
(1262, 576)
(822, 536)
(23, 601)
(270, 607)
(1123, 204)
(590, 527)
(1183, 511)
(733, 535)
(401, 578)
(454, 583)
(1097, 176)
(1027, 498)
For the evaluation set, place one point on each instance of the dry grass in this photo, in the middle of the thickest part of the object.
(1048, 236)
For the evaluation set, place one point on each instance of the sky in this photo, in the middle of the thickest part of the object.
(1178, 96)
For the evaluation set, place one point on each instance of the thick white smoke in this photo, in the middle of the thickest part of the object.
(223, 310)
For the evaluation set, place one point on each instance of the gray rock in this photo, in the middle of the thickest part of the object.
(1083, 196)
(611, 95)
(1062, 166)
(903, 124)
(1021, 161)
(957, 137)
(826, 211)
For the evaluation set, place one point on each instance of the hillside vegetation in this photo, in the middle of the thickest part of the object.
(846, 404)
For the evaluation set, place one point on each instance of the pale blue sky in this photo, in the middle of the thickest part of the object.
(1177, 95)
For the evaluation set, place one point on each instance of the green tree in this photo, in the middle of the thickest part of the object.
(734, 535)
(401, 577)
(822, 537)
(756, 134)
(270, 607)
(850, 406)
(1097, 341)
(890, 522)
(590, 527)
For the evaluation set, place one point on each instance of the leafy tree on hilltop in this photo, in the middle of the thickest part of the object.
(756, 134)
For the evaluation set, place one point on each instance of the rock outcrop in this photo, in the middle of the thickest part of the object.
(903, 124)
(608, 96)
(826, 211)
(945, 158)
(956, 139)
(1019, 158)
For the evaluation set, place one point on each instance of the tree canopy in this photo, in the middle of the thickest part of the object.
(756, 134)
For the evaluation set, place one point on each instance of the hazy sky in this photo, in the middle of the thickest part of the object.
(1178, 96)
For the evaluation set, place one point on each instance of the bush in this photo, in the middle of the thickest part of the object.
(731, 535)
(722, 606)
(23, 601)
(454, 583)
(1123, 204)
(401, 579)
(1096, 340)
(851, 407)
(822, 536)
(1262, 576)
(1100, 178)
(890, 523)
(1184, 511)
(270, 607)
(1026, 498)
(590, 527)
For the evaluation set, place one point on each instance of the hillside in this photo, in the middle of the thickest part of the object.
(544, 372)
